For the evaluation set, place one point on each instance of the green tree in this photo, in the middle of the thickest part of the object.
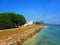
(11, 20)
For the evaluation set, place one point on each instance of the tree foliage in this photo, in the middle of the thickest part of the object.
(11, 20)
(39, 22)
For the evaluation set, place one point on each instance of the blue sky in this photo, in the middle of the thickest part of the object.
(47, 10)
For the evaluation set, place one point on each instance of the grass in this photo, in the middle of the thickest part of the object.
(7, 32)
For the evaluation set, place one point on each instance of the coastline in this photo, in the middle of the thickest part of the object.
(20, 38)
(32, 38)
(29, 39)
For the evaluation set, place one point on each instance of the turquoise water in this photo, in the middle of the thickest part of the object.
(48, 36)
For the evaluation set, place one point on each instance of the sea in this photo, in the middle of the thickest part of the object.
(49, 35)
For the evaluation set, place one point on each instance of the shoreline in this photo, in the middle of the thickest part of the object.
(32, 38)
(29, 39)
(20, 38)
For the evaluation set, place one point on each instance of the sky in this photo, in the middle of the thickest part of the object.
(36, 10)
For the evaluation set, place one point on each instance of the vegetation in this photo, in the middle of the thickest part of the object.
(11, 20)
(39, 22)
(7, 32)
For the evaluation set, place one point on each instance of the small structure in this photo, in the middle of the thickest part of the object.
(29, 23)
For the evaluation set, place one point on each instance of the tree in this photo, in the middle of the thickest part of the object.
(11, 20)
(39, 22)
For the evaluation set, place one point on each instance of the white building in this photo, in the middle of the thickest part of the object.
(28, 23)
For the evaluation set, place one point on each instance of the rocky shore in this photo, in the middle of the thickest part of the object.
(20, 37)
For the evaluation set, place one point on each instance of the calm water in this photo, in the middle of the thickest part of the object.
(48, 36)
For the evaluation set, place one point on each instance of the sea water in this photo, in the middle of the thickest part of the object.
(49, 35)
